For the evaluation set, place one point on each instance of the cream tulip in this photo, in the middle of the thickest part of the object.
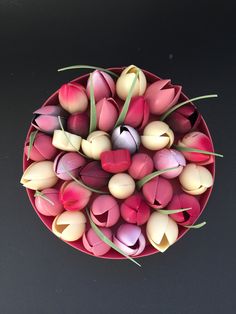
(96, 143)
(121, 185)
(66, 141)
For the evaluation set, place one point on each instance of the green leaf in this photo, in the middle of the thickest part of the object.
(172, 109)
(40, 194)
(195, 150)
(125, 108)
(31, 142)
(93, 118)
(108, 241)
(73, 67)
(173, 211)
(151, 176)
(196, 226)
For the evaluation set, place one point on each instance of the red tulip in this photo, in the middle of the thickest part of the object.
(50, 205)
(94, 176)
(141, 165)
(94, 244)
(115, 161)
(107, 112)
(138, 113)
(78, 124)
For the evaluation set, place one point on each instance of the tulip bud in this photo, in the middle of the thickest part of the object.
(162, 231)
(39, 176)
(94, 176)
(126, 79)
(69, 226)
(94, 244)
(103, 85)
(107, 112)
(141, 165)
(116, 161)
(105, 211)
(157, 135)
(78, 124)
(138, 113)
(46, 118)
(197, 140)
(66, 141)
(158, 192)
(42, 148)
(134, 210)
(73, 196)
(121, 185)
(130, 239)
(169, 158)
(68, 162)
(96, 143)
(161, 96)
(51, 205)
(126, 137)
(195, 179)
(73, 98)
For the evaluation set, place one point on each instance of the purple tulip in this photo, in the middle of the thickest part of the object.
(78, 124)
(94, 176)
(94, 244)
(138, 113)
(125, 137)
(49, 204)
(107, 112)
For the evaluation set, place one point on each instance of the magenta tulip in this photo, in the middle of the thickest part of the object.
(94, 244)
(49, 203)
(78, 124)
(126, 137)
(94, 176)
(107, 112)
(138, 113)
(141, 165)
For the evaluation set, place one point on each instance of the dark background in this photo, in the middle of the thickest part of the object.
(192, 42)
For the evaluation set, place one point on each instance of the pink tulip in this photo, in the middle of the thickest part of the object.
(94, 176)
(94, 244)
(50, 205)
(68, 162)
(158, 192)
(138, 113)
(73, 196)
(115, 161)
(78, 124)
(184, 200)
(107, 112)
(169, 158)
(42, 148)
(103, 85)
(141, 165)
(105, 211)
(134, 210)
(161, 96)
(130, 239)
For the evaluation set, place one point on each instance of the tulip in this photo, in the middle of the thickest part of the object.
(94, 176)
(162, 231)
(197, 140)
(161, 96)
(157, 135)
(105, 211)
(141, 165)
(184, 200)
(195, 179)
(46, 118)
(158, 192)
(42, 148)
(184, 119)
(107, 112)
(39, 176)
(126, 137)
(134, 210)
(126, 79)
(68, 162)
(69, 226)
(49, 204)
(116, 161)
(169, 158)
(96, 143)
(73, 196)
(66, 141)
(103, 85)
(138, 113)
(129, 239)
(78, 124)
(94, 244)
(121, 185)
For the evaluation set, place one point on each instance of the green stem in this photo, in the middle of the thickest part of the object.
(195, 150)
(173, 211)
(93, 118)
(73, 67)
(196, 226)
(40, 194)
(31, 142)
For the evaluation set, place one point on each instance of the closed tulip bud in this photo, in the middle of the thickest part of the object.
(73, 196)
(162, 231)
(94, 244)
(105, 211)
(68, 162)
(129, 239)
(103, 85)
(141, 165)
(126, 137)
(184, 200)
(121, 185)
(107, 112)
(78, 124)
(158, 192)
(42, 148)
(125, 81)
(46, 118)
(69, 226)
(138, 113)
(39, 176)
(157, 135)
(94, 176)
(134, 210)
(96, 143)
(49, 204)
(195, 179)
(66, 141)
(161, 96)
(116, 161)
(169, 158)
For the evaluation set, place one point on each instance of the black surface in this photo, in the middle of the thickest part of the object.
(191, 42)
